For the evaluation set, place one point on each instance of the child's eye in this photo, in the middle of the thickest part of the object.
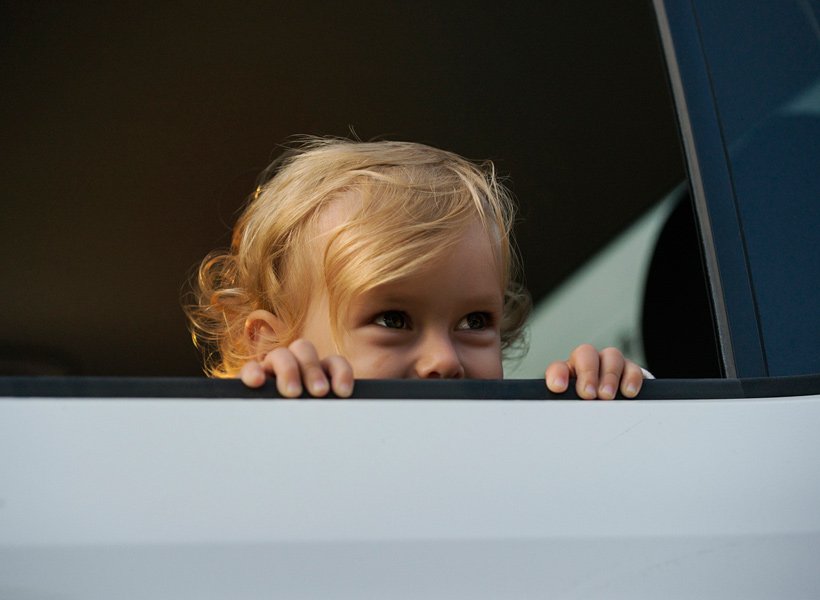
(393, 319)
(474, 321)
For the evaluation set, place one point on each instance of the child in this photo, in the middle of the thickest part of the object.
(375, 260)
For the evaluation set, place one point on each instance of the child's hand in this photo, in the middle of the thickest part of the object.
(598, 374)
(299, 365)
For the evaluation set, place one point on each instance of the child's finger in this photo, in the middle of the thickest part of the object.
(632, 379)
(585, 362)
(611, 369)
(557, 377)
(283, 364)
(252, 374)
(341, 375)
(313, 375)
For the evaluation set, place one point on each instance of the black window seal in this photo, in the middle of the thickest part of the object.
(473, 389)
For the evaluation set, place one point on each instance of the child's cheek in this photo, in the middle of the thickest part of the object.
(483, 362)
(377, 352)
(375, 336)
(379, 363)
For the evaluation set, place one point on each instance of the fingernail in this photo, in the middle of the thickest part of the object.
(559, 382)
(631, 389)
(319, 387)
(344, 389)
(293, 389)
(608, 391)
(590, 390)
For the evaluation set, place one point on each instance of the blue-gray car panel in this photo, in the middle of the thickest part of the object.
(763, 61)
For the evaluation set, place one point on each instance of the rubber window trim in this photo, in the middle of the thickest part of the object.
(511, 389)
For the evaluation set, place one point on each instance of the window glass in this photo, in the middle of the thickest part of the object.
(764, 63)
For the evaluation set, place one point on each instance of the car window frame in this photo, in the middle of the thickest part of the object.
(709, 177)
(712, 190)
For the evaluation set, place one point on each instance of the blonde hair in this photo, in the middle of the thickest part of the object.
(412, 202)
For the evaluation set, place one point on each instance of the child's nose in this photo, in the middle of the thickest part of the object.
(438, 358)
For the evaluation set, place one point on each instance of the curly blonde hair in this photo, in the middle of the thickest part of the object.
(413, 201)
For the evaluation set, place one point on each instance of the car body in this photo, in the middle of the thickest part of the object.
(703, 487)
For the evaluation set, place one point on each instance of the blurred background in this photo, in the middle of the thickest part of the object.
(132, 133)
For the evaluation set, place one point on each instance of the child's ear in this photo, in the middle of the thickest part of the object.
(262, 328)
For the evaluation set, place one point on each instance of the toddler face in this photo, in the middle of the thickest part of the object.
(441, 322)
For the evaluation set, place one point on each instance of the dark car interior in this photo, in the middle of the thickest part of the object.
(133, 137)
(679, 336)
